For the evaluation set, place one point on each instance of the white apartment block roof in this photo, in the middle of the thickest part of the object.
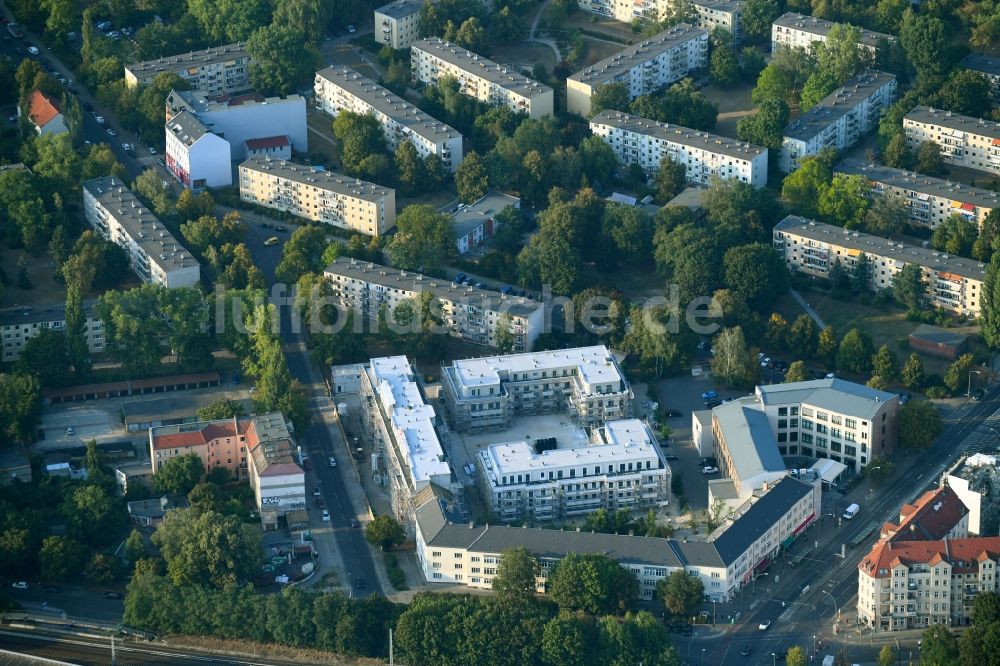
(140, 224)
(607, 69)
(401, 8)
(317, 177)
(980, 62)
(497, 74)
(443, 290)
(955, 121)
(836, 105)
(882, 247)
(186, 127)
(593, 365)
(197, 101)
(410, 416)
(836, 395)
(209, 56)
(918, 182)
(821, 27)
(677, 134)
(388, 103)
(628, 440)
(469, 217)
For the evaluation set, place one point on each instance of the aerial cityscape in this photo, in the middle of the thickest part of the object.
(507, 332)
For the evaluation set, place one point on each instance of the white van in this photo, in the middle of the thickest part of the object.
(851, 511)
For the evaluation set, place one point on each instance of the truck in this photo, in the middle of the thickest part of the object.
(851, 511)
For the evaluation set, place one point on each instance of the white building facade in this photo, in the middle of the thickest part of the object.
(397, 24)
(217, 70)
(840, 119)
(115, 213)
(620, 468)
(643, 68)
(20, 324)
(637, 140)
(708, 14)
(928, 200)
(196, 157)
(320, 196)
(967, 142)
(339, 88)
(793, 30)
(474, 315)
(585, 382)
(480, 78)
(953, 283)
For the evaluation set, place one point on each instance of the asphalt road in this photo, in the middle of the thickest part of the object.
(72, 602)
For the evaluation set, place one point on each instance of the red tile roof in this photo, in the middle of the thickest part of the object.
(963, 554)
(267, 142)
(210, 431)
(42, 108)
(930, 518)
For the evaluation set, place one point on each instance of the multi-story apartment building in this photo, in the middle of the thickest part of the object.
(643, 68)
(480, 78)
(799, 30)
(216, 70)
(242, 118)
(196, 157)
(953, 283)
(224, 443)
(937, 514)
(278, 482)
(154, 254)
(929, 201)
(708, 14)
(840, 120)
(400, 424)
(967, 142)
(398, 23)
(318, 195)
(474, 315)
(340, 88)
(637, 140)
(916, 584)
(450, 551)
(586, 382)
(989, 67)
(20, 324)
(620, 468)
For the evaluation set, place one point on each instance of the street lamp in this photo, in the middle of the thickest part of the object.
(968, 392)
(774, 658)
(814, 644)
(703, 656)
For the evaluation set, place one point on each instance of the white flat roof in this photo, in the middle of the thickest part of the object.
(628, 441)
(594, 365)
(410, 416)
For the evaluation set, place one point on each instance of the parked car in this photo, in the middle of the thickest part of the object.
(747, 649)
(326, 516)
(70, 431)
(764, 362)
(332, 461)
(764, 626)
(320, 504)
(114, 595)
(273, 240)
(709, 469)
(670, 457)
(351, 29)
(112, 132)
(126, 146)
(316, 492)
(161, 163)
(20, 585)
(354, 523)
(709, 395)
(712, 404)
(99, 120)
(150, 150)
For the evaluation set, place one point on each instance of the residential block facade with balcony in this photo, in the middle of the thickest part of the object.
(115, 213)
(840, 119)
(474, 315)
(21, 323)
(621, 467)
(643, 68)
(339, 88)
(585, 382)
(398, 23)
(479, 77)
(967, 142)
(799, 30)
(708, 14)
(317, 195)
(928, 200)
(637, 140)
(953, 283)
(215, 71)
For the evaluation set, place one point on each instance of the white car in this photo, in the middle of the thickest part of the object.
(99, 120)
(708, 469)
(326, 516)
(126, 146)
(316, 492)
(351, 29)
(70, 432)
(764, 361)
(151, 150)
(20, 585)
(333, 461)
(112, 131)
(764, 626)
